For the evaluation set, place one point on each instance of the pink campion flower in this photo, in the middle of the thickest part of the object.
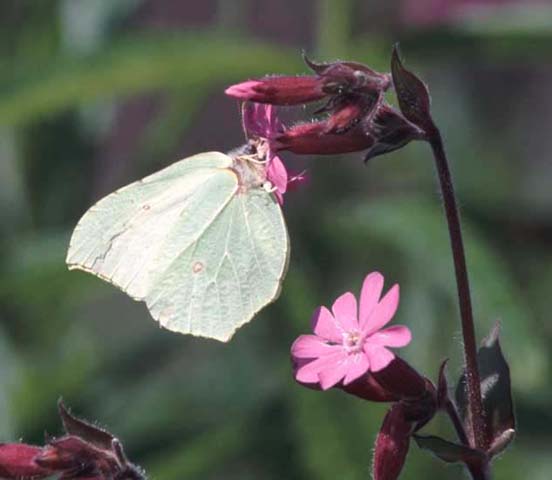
(350, 341)
(279, 90)
(329, 80)
(261, 125)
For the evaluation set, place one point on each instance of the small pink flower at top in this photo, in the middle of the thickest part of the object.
(261, 123)
(348, 342)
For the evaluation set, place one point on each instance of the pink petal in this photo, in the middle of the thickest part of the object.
(309, 373)
(358, 366)
(345, 312)
(272, 121)
(379, 357)
(243, 90)
(383, 312)
(311, 346)
(369, 296)
(333, 374)
(396, 336)
(324, 325)
(276, 174)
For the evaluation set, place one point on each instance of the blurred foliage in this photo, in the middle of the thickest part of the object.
(96, 94)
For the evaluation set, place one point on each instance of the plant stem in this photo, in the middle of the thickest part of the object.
(480, 472)
(475, 403)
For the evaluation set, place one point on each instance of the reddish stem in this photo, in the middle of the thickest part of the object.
(475, 404)
(481, 471)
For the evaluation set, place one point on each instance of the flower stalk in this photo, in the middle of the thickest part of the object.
(477, 435)
(414, 101)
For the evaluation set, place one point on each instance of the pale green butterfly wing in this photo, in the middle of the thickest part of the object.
(204, 253)
(121, 238)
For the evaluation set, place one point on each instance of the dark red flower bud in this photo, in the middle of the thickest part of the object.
(392, 444)
(313, 138)
(331, 79)
(276, 90)
(86, 453)
(17, 460)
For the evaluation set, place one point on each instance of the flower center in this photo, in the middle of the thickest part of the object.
(352, 341)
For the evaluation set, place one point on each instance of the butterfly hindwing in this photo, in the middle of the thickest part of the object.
(234, 270)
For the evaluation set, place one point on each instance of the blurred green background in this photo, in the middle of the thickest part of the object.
(95, 94)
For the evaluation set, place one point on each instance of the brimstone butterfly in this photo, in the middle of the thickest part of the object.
(202, 242)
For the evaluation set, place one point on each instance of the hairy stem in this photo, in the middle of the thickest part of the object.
(477, 431)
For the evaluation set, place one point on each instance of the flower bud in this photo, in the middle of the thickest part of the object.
(314, 139)
(17, 460)
(392, 444)
(279, 90)
(331, 79)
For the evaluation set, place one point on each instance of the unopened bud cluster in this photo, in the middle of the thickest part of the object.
(355, 116)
